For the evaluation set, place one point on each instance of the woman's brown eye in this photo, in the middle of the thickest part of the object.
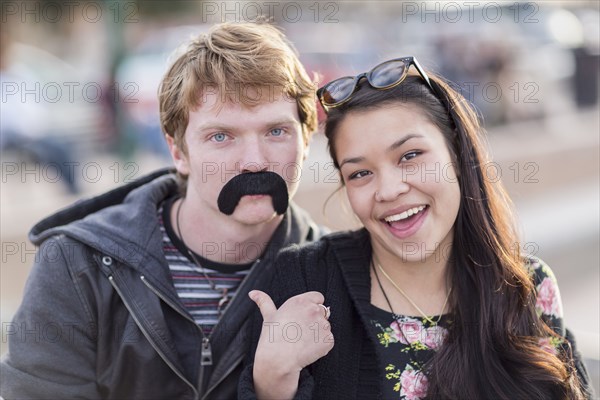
(409, 155)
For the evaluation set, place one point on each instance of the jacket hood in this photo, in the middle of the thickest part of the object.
(116, 222)
(123, 223)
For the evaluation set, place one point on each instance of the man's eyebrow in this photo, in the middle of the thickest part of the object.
(284, 121)
(217, 126)
(392, 147)
(213, 127)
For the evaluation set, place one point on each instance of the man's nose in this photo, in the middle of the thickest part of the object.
(253, 157)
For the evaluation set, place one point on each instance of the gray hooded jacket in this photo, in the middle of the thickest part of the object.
(101, 319)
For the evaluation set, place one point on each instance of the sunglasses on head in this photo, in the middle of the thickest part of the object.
(386, 75)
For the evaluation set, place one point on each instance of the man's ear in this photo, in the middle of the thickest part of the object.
(180, 159)
(306, 152)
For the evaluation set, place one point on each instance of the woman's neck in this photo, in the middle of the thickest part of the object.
(423, 282)
(427, 271)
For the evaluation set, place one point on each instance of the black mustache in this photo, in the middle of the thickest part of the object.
(252, 183)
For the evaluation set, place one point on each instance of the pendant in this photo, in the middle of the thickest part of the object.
(223, 301)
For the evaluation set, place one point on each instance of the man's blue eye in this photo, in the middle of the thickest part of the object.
(219, 137)
(276, 132)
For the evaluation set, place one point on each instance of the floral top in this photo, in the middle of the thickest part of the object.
(407, 343)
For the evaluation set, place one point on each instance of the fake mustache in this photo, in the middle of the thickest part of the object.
(253, 183)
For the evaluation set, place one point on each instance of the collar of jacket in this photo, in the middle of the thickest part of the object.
(353, 254)
(114, 220)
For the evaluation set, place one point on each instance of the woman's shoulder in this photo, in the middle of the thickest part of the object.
(548, 302)
(301, 268)
(539, 271)
(330, 253)
(332, 242)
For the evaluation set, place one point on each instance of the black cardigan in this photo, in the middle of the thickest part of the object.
(348, 292)
(338, 267)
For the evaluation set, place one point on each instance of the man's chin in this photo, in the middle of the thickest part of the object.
(254, 210)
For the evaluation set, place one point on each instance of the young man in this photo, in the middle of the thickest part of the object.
(142, 292)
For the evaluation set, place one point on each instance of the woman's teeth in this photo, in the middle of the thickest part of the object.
(404, 215)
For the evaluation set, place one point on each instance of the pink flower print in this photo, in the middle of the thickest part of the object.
(548, 298)
(434, 337)
(414, 384)
(396, 333)
(409, 331)
(547, 345)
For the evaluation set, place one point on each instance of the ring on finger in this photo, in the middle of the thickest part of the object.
(326, 310)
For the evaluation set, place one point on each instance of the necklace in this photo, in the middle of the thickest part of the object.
(431, 321)
(396, 316)
(198, 267)
(411, 354)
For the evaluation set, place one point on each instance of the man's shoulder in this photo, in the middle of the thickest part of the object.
(310, 230)
(121, 215)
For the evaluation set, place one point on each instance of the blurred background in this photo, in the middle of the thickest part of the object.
(79, 112)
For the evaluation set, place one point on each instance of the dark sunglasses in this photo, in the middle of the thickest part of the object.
(386, 75)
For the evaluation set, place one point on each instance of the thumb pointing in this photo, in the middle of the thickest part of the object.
(263, 301)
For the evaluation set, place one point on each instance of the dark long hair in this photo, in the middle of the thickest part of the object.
(492, 349)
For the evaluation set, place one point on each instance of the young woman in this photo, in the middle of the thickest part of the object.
(432, 298)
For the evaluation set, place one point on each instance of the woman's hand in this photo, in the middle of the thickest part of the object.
(293, 336)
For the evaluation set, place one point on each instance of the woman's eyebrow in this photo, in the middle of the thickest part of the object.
(392, 147)
(403, 140)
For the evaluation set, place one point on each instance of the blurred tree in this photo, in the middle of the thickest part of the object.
(165, 8)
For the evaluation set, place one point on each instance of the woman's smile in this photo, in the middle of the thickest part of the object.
(406, 223)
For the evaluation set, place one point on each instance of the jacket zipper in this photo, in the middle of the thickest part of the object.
(149, 338)
(169, 302)
(206, 354)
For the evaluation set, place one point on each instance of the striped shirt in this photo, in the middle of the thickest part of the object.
(190, 280)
